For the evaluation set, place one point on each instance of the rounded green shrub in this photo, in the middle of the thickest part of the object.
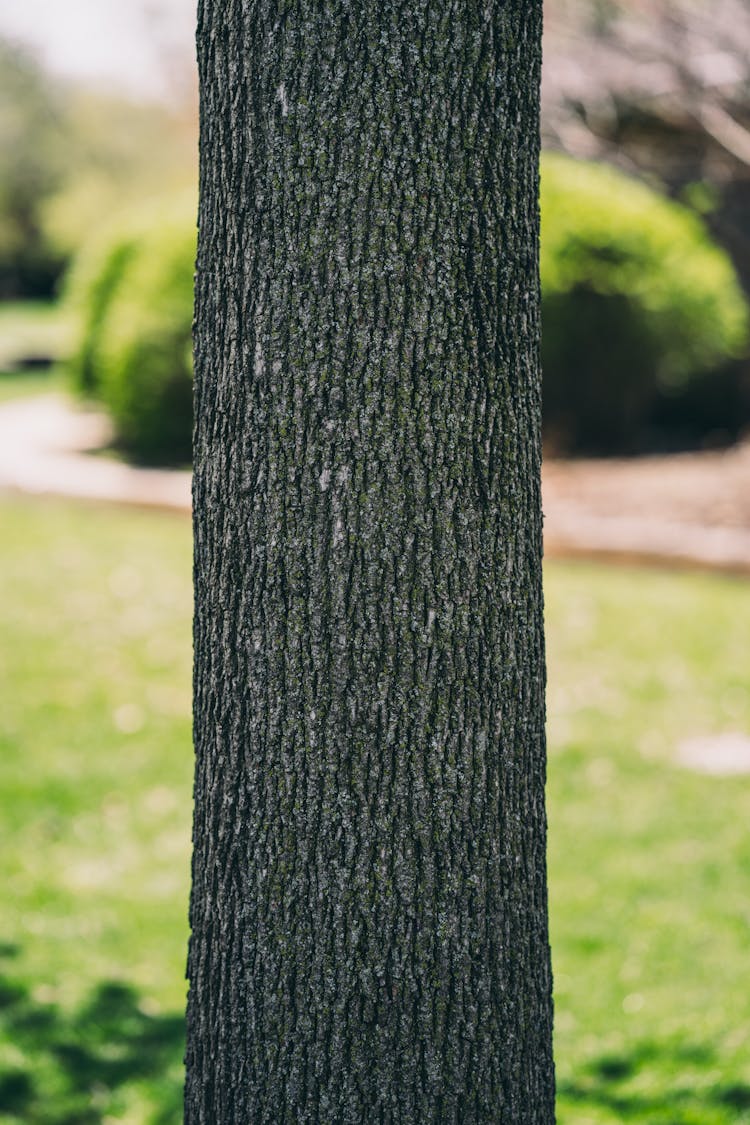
(636, 302)
(89, 289)
(130, 292)
(144, 354)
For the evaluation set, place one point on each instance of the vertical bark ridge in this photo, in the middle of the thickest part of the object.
(369, 935)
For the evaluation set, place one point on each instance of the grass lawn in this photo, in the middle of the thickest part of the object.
(22, 384)
(95, 776)
(33, 328)
(28, 329)
(649, 864)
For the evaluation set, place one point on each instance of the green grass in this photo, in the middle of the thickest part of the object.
(21, 384)
(649, 864)
(95, 773)
(33, 328)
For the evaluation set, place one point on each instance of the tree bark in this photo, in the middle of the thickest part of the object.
(369, 917)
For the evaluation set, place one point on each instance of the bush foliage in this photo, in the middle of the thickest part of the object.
(146, 350)
(639, 306)
(637, 302)
(90, 287)
(133, 293)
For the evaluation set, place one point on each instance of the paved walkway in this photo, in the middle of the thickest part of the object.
(687, 509)
(49, 446)
(690, 509)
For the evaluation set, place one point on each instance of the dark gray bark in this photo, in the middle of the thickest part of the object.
(369, 932)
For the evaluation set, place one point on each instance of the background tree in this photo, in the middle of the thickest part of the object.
(369, 924)
(32, 139)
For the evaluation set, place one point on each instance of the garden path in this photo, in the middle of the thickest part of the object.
(49, 445)
(685, 509)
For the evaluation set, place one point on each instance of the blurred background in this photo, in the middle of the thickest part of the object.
(645, 200)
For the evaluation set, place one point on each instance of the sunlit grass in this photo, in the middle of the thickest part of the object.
(95, 772)
(22, 384)
(33, 328)
(649, 864)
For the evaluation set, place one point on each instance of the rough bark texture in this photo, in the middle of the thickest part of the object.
(369, 933)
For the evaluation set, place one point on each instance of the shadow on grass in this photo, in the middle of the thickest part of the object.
(75, 1063)
(678, 1099)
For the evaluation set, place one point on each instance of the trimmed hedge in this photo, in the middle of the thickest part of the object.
(146, 369)
(89, 290)
(133, 294)
(639, 308)
(637, 302)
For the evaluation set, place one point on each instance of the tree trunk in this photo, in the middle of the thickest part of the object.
(369, 931)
